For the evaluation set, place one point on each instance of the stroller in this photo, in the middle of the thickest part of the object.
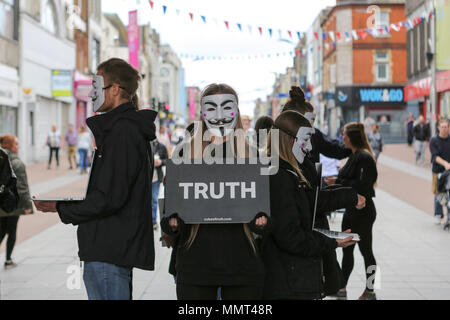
(443, 187)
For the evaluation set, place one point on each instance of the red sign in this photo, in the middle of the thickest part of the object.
(422, 87)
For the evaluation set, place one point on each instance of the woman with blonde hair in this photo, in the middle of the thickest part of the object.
(360, 173)
(210, 257)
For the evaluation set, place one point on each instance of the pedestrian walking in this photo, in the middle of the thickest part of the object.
(163, 137)
(440, 158)
(71, 140)
(54, 142)
(409, 124)
(84, 145)
(369, 124)
(160, 160)
(114, 222)
(210, 257)
(8, 225)
(360, 172)
(421, 133)
(292, 252)
(376, 141)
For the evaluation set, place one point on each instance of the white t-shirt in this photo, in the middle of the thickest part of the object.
(54, 138)
(84, 140)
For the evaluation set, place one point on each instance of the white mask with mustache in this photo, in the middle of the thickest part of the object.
(97, 93)
(220, 112)
(302, 143)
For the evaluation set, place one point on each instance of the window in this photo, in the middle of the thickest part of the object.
(95, 55)
(382, 66)
(7, 18)
(382, 19)
(48, 19)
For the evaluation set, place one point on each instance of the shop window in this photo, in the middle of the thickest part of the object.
(95, 55)
(7, 18)
(382, 66)
(48, 19)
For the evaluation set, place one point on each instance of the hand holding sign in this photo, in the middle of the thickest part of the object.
(217, 194)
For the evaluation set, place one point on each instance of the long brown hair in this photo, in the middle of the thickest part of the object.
(119, 71)
(241, 150)
(288, 123)
(356, 133)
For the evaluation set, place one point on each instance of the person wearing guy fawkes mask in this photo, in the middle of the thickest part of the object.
(115, 232)
(329, 199)
(321, 144)
(210, 257)
(292, 252)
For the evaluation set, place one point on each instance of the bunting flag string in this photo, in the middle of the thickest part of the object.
(331, 36)
(195, 57)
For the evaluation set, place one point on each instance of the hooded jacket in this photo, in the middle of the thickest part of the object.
(115, 220)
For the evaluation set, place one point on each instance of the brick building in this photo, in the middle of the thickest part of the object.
(366, 76)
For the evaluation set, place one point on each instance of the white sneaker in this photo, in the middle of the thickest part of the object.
(438, 220)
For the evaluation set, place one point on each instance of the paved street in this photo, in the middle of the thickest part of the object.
(411, 251)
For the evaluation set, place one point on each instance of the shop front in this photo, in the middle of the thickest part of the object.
(9, 89)
(384, 104)
(417, 94)
(82, 86)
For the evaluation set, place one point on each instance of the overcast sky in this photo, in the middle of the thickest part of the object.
(251, 78)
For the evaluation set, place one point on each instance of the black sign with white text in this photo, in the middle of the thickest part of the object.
(216, 194)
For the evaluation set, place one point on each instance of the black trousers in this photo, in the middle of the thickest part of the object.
(360, 222)
(193, 292)
(56, 151)
(8, 226)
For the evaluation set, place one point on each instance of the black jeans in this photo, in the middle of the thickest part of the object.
(56, 151)
(360, 222)
(8, 226)
(193, 292)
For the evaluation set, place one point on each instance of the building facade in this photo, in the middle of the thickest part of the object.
(366, 76)
(47, 61)
(421, 55)
(9, 64)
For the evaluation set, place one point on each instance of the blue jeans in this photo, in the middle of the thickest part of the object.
(83, 159)
(155, 195)
(106, 281)
(438, 211)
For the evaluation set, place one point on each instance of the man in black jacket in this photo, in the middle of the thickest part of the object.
(421, 133)
(115, 231)
(160, 156)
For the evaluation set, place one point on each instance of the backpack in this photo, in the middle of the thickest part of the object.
(9, 196)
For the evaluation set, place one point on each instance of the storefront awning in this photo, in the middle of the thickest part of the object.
(422, 87)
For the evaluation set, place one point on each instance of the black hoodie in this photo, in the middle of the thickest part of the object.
(115, 220)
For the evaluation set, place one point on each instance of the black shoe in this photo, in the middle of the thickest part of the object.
(340, 295)
(10, 265)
